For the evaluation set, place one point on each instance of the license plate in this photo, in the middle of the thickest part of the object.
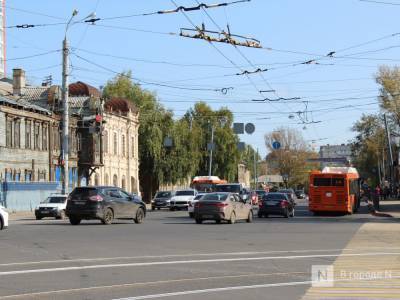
(329, 194)
(207, 216)
(79, 202)
(45, 212)
(271, 203)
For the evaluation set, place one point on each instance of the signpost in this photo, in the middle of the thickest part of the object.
(276, 145)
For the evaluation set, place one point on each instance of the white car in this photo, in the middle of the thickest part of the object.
(3, 218)
(181, 199)
(54, 206)
(191, 204)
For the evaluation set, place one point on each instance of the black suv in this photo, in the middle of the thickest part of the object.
(104, 203)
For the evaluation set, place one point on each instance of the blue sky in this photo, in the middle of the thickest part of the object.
(338, 90)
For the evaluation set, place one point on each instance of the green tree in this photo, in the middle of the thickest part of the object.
(389, 79)
(368, 147)
(291, 159)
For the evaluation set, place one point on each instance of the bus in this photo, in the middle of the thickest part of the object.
(335, 189)
(205, 184)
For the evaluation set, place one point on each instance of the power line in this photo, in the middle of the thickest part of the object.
(223, 90)
(380, 2)
(34, 13)
(178, 9)
(32, 56)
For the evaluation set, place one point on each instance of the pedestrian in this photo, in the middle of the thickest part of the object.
(376, 197)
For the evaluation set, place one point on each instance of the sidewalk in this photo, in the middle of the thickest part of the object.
(387, 208)
(368, 268)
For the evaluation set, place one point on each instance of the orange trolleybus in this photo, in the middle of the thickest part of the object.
(335, 189)
(206, 183)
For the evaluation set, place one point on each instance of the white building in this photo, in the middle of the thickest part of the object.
(334, 152)
(120, 146)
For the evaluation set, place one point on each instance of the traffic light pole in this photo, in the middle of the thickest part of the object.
(211, 150)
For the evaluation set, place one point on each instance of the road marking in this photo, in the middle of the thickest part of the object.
(230, 288)
(151, 283)
(189, 255)
(224, 289)
(178, 262)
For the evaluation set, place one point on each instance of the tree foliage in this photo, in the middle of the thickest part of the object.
(190, 134)
(291, 159)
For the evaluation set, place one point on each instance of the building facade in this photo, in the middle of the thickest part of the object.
(334, 152)
(30, 135)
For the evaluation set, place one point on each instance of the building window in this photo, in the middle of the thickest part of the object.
(17, 133)
(123, 183)
(44, 137)
(78, 141)
(115, 180)
(9, 126)
(123, 146)
(115, 144)
(28, 134)
(105, 142)
(133, 185)
(37, 136)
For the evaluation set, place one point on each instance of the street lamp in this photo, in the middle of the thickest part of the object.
(65, 127)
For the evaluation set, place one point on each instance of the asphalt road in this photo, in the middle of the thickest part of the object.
(170, 257)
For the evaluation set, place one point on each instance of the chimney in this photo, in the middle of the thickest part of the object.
(18, 82)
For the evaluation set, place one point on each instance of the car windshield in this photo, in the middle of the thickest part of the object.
(274, 197)
(55, 200)
(260, 193)
(198, 197)
(163, 194)
(215, 197)
(184, 193)
(231, 188)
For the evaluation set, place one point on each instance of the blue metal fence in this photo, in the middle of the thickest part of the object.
(25, 196)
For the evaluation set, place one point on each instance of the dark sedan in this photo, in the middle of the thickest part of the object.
(162, 199)
(276, 204)
(104, 203)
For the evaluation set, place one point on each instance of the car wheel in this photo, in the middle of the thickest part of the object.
(153, 208)
(108, 217)
(232, 219)
(1, 224)
(158, 208)
(249, 217)
(171, 208)
(139, 216)
(191, 215)
(260, 215)
(218, 221)
(74, 220)
(38, 218)
(199, 221)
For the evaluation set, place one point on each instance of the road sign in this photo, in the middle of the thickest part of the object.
(210, 146)
(249, 128)
(168, 142)
(238, 128)
(276, 145)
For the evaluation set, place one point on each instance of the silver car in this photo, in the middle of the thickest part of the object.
(222, 206)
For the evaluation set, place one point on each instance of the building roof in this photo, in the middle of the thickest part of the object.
(80, 88)
(21, 103)
(120, 105)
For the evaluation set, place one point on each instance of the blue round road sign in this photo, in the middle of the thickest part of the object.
(276, 145)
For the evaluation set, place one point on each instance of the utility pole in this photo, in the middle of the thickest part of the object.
(211, 150)
(255, 155)
(390, 150)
